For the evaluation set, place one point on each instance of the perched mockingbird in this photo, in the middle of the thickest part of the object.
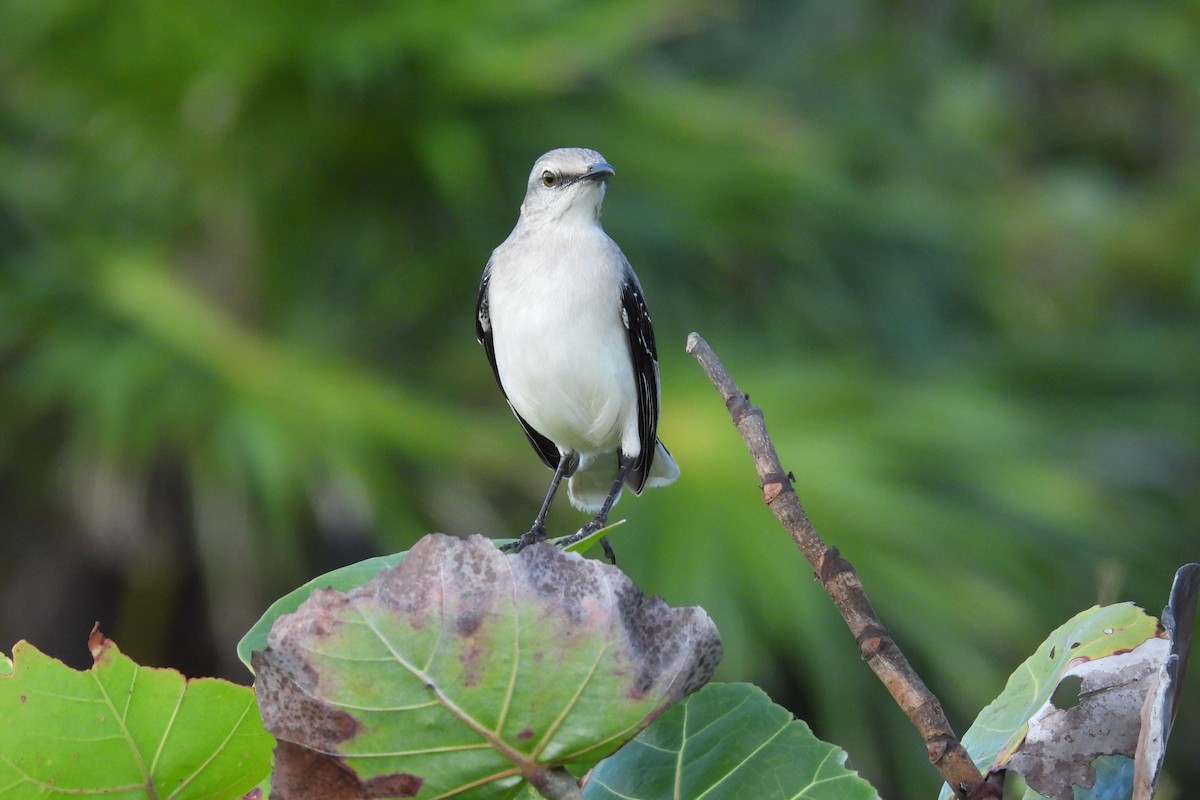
(562, 318)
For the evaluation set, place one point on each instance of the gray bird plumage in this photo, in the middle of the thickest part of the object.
(564, 324)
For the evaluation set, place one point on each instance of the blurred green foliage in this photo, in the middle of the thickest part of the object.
(950, 248)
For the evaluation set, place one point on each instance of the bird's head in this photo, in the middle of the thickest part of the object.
(567, 184)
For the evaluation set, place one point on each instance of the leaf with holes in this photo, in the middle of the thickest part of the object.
(1093, 704)
(125, 731)
(462, 668)
(727, 741)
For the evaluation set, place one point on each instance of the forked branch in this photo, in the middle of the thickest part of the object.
(841, 582)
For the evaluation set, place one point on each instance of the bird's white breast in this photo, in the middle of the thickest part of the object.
(560, 344)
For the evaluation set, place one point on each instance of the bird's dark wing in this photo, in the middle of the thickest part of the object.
(644, 356)
(483, 332)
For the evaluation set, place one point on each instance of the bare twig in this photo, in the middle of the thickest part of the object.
(838, 577)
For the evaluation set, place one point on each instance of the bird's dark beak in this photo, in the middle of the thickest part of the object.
(598, 171)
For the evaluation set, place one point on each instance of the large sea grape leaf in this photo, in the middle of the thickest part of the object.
(1093, 705)
(727, 741)
(119, 730)
(462, 671)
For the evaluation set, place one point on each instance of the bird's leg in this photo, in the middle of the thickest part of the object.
(601, 518)
(567, 464)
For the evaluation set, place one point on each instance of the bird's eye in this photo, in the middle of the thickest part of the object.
(549, 178)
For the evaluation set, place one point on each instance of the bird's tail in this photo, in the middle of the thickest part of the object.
(588, 488)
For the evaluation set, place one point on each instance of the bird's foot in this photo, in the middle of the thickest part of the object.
(538, 534)
(608, 551)
(596, 524)
(588, 530)
(534, 535)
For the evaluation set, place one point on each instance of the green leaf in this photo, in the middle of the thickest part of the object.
(463, 667)
(727, 741)
(125, 731)
(350, 577)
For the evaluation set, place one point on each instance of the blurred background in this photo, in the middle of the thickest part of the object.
(951, 248)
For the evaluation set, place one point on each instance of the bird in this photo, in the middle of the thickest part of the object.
(563, 321)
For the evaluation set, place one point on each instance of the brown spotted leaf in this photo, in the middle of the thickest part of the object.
(464, 671)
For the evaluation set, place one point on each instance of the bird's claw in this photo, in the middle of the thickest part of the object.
(591, 527)
(608, 551)
(538, 534)
(534, 535)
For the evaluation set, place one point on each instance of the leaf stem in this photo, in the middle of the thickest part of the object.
(556, 784)
(842, 584)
